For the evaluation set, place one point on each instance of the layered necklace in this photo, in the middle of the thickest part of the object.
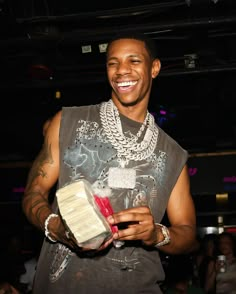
(128, 148)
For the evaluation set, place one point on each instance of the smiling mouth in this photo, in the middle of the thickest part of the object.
(127, 84)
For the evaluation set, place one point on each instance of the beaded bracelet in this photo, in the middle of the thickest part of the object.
(47, 233)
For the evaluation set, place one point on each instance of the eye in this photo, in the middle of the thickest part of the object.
(111, 63)
(135, 61)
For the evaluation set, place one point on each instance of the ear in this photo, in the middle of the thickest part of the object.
(156, 66)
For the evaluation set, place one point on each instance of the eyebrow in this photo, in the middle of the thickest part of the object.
(129, 56)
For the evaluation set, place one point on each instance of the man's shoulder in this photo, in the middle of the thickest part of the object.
(168, 140)
(80, 108)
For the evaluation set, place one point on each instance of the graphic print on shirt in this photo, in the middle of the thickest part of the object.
(89, 157)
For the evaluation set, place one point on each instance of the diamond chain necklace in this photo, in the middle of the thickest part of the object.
(128, 148)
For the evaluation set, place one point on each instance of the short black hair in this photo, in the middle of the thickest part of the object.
(150, 44)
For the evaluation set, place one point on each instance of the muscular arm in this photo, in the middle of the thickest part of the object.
(182, 217)
(42, 177)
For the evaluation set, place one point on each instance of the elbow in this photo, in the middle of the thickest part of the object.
(193, 244)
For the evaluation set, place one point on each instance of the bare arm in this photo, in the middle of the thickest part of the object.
(42, 176)
(182, 217)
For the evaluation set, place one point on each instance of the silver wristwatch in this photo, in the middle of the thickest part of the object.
(166, 235)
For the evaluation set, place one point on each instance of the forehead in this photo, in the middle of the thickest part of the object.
(127, 46)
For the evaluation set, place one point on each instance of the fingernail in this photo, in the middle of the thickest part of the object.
(110, 219)
(115, 236)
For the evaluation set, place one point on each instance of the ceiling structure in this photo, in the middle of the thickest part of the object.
(52, 54)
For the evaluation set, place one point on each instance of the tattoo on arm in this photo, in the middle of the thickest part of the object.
(45, 156)
(36, 206)
(34, 202)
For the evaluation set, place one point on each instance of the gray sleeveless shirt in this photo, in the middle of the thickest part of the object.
(86, 153)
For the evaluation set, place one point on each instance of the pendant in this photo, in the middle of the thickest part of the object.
(119, 177)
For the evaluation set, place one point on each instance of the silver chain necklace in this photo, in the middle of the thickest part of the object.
(128, 148)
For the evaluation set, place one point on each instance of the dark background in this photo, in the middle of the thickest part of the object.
(193, 98)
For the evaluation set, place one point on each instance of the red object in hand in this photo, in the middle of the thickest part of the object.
(105, 208)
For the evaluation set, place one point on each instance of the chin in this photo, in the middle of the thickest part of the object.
(129, 102)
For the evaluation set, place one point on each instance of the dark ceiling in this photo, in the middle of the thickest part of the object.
(41, 52)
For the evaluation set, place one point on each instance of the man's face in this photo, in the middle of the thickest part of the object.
(130, 71)
(225, 245)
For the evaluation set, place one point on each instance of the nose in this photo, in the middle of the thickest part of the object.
(123, 68)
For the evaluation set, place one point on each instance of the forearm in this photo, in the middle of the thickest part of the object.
(183, 239)
(36, 207)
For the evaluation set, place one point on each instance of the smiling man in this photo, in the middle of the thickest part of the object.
(118, 148)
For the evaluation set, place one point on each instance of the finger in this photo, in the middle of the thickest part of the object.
(125, 218)
(129, 234)
(138, 209)
(106, 244)
(129, 219)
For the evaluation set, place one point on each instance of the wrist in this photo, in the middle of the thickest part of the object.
(166, 236)
(46, 223)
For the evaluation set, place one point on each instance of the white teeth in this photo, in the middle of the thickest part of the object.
(125, 84)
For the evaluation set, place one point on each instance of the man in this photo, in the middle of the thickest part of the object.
(117, 147)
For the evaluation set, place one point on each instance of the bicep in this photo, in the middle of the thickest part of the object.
(45, 169)
(180, 208)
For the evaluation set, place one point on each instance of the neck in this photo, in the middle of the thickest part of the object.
(135, 112)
